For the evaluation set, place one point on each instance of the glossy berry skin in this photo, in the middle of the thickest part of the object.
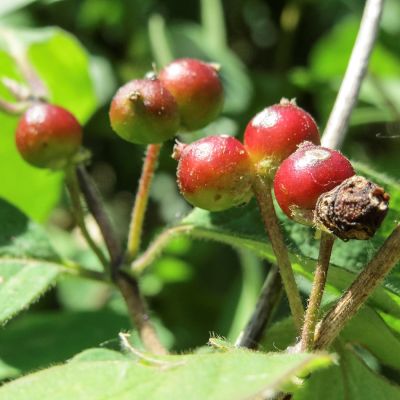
(48, 136)
(214, 173)
(197, 89)
(143, 111)
(305, 175)
(274, 133)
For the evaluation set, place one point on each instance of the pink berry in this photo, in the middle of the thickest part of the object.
(48, 136)
(274, 133)
(143, 111)
(305, 175)
(197, 90)
(214, 173)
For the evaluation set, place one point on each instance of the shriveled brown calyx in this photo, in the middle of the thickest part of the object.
(352, 210)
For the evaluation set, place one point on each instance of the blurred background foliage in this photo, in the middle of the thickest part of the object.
(267, 50)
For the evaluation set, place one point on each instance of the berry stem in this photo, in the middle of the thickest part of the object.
(314, 303)
(96, 207)
(347, 97)
(73, 190)
(270, 295)
(141, 200)
(127, 285)
(355, 296)
(262, 189)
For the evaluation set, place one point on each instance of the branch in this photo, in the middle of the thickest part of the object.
(355, 296)
(266, 304)
(347, 97)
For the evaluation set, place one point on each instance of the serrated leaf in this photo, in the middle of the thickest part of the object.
(366, 329)
(230, 375)
(28, 264)
(64, 67)
(351, 379)
(42, 339)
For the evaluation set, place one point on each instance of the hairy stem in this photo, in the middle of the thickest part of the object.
(128, 286)
(150, 254)
(314, 303)
(96, 207)
(347, 97)
(355, 296)
(73, 189)
(262, 190)
(141, 200)
(269, 298)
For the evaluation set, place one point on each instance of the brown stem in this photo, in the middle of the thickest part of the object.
(128, 286)
(355, 296)
(356, 69)
(138, 311)
(96, 207)
(266, 305)
(262, 190)
(314, 303)
(141, 200)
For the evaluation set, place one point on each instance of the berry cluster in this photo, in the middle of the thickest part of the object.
(216, 173)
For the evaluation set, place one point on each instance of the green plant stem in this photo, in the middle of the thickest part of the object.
(73, 189)
(270, 295)
(355, 296)
(262, 189)
(75, 269)
(141, 200)
(155, 248)
(317, 291)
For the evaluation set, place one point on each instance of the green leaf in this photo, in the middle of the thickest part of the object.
(230, 375)
(28, 264)
(63, 65)
(42, 339)
(366, 329)
(242, 227)
(351, 379)
(8, 6)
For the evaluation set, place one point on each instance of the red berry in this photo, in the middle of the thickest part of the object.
(143, 111)
(214, 173)
(197, 89)
(48, 136)
(274, 133)
(305, 175)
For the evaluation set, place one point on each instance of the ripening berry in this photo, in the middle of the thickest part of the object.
(197, 89)
(143, 111)
(48, 136)
(305, 175)
(274, 133)
(214, 173)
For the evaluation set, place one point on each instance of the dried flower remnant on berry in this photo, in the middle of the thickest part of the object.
(353, 210)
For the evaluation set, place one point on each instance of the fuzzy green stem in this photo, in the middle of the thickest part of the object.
(356, 295)
(262, 189)
(141, 200)
(73, 189)
(314, 303)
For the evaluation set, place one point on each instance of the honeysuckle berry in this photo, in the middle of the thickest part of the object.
(214, 173)
(352, 210)
(305, 175)
(48, 136)
(143, 111)
(275, 132)
(197, 89)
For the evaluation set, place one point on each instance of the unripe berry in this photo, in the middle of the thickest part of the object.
(305, 175)
(214, 173)
(197, 89)
(48, 136)
(274, 133)
(143, 111)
